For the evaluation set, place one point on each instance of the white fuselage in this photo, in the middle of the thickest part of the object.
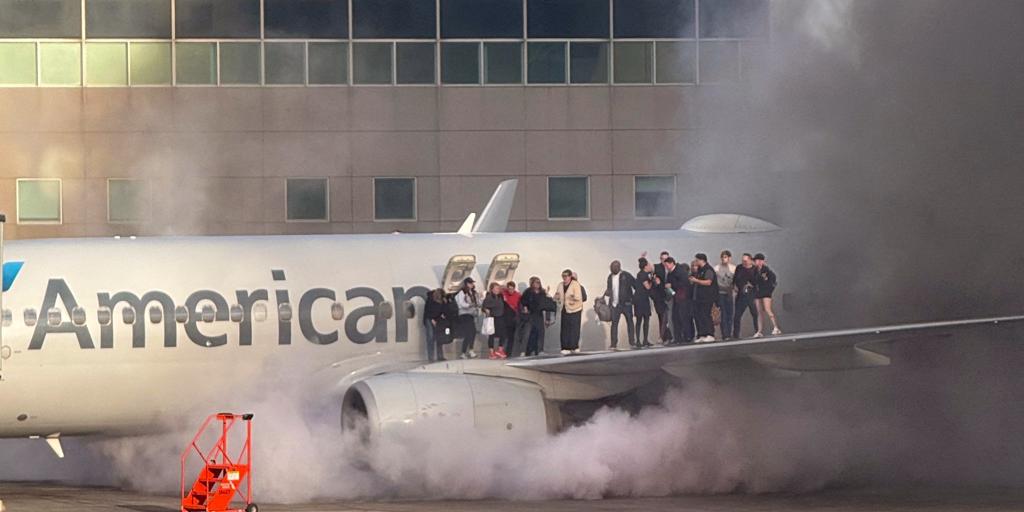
(69, 379)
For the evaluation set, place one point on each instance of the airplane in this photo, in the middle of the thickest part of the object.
(122, 336)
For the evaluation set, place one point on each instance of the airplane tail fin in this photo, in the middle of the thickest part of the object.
(467, 225)
(494, 218)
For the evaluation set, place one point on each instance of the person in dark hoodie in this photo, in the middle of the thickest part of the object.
(532, 304)
(619, 293)
(436, 325)
(660, 298)
(764, 286)
(494, 307)
(744, 282)
(678, 286)
(642, 302)
(705, 294)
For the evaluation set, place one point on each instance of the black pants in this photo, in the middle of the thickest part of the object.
(500, 334)
(571, 330)
(744, 301)
(661, 309)
(643, 329)
(702, 317)
(534, 337)
(467, 329)
(617, 313)
(682, 321)
(512, 329)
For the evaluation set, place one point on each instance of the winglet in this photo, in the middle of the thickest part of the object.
(467, 226)
(54, 441)
(494, 218)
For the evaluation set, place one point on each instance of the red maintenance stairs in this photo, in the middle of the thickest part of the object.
(223, 479)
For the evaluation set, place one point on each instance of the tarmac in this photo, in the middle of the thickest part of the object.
(53, 497)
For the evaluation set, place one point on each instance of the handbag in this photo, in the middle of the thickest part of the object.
(603, 310)
(488, 327)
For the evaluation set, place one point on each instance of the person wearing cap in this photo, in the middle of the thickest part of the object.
(764, 286)
(619, 293)
(726, 272)
(678, 287)
(469, 307)
(569, 296)
(705, 294)
(743, 282)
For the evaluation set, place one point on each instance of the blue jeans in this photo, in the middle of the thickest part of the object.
(431, 341)
(726, 306)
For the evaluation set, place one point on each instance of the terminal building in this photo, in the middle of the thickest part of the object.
(151, 117)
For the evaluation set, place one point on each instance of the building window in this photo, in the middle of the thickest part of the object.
(719, 61)
(149, 19)
(60, 63)
(567, 18)
(307, 199)
(196, 63)
(41, 18)
(460, 63)
(503, 63)
(328, 63)
(588, 63)
(545, 63)
(126, 200)
(397, 19)
(654, 196)
(39, 201)
(634, 63)
(470, 19)
(17, 63)
(654, 18)
(414, 63)
(734, 18)
(394, 199)
(371, 63)
(677, 62)
(150, 63)
(106, 64)
(217, 18)
(285, 63)
(305, 19)
(239, 63)
(568, 197)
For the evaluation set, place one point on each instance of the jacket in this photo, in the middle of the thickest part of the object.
(641, 295)
(432, 310)
(571, 298)
(512, 302)
(765, 281)
(468, 305)
(680, 281)
(708, 293)
(744, 280)
(494, 305)
(626, 286)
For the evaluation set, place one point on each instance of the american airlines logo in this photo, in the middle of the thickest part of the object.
(206, 314)
(10, 272)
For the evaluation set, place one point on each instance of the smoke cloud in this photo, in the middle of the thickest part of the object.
(887, 134)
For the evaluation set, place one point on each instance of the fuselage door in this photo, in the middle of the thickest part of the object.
(459, 267)
(503, 269)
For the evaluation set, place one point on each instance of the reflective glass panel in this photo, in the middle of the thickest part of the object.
(503, 63)
(371, 63)
(60, 63)
(217, 18)
(328, 63)
(567, 197)
(126, 200)
(654, 18)
(481, 18)
(381, 19)
(106, 64)
(719, 61)
(285, 63)
(38, 200)
(314, 19)
(40, 18)
(567, 18)
(394, 199)
(460, 63)
(677, 62)
(414, 63)
(307, 198)
(128, 18)
(239, 63)
(588, 63)
(633, 63)
(196, 63)
(545, 63)
(17, 63)
(734, 18)
(150, 63)
(654, 196)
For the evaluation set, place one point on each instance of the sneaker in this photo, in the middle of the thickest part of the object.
(566, 352)
(501, 353)
(577, 351)
(757, 335)
(472, 355)
(647, 344)
(463, 356)
(493, 355)
(776, 331)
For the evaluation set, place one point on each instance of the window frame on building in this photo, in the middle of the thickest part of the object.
(60, 202)
(547, 196)
(672, 214)
(143, 212)
(415, 199)
(327, 200)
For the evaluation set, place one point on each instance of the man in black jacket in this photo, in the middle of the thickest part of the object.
(744, 281)
(619, 293)
(660, 298)
(705, 293)
(678, 286)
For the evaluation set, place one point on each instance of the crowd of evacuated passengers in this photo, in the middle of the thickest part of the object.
(688, 300)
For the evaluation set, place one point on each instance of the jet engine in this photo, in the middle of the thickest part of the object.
(405, 401)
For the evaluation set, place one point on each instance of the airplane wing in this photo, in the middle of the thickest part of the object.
(814, 351)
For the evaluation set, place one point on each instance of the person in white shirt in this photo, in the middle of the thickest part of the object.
(725, 271)
(619, 293)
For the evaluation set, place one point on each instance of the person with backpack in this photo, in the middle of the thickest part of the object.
(764, 285)
(705, 294)
(494, 307)
(570, 296)
(535, 306)
(469, 307)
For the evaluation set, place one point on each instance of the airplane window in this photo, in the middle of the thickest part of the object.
(337, 311)
(237, 313)
(409, 308)
(156, 314)
(30, 317)
(181, 314)
(7, 317)
(259, 312)
(208, 313)
(78, 315)
(53, 317)
(128, 316)
(103, 315)
(386, 310)
(284, 312)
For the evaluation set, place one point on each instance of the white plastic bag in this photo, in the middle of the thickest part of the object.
(488, 326)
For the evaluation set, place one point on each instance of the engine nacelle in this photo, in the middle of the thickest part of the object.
(400, 401)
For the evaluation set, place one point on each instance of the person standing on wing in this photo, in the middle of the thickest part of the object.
(725, 272)
(619, 292)
(764, 286)
(569, 296)
(705, 293)
(469, 307)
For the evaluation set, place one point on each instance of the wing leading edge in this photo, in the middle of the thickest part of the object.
(813, 351)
